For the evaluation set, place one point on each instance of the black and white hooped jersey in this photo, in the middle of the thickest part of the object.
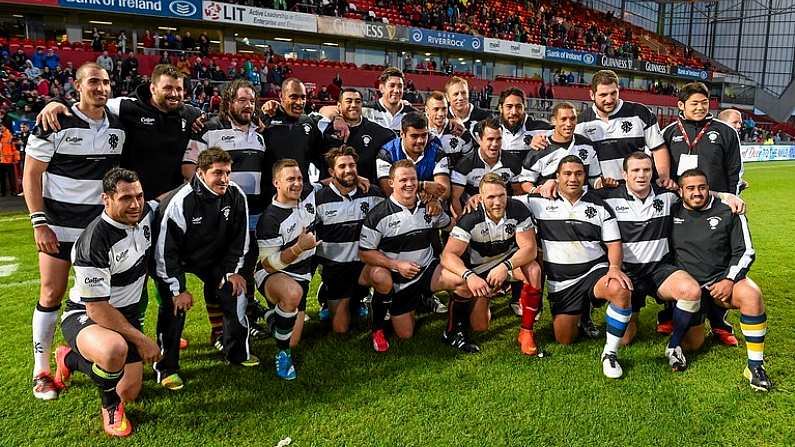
(476, 115)
(517, 141)
(456, 147)
(339, 221)
(278, 229)
(77, 158)
(110, 263)
(645, 226)
(543, 165)
(573, 236)
(491, 243)
(403, 234)
(630, 127)
(247, 149)
(470, 169)
(377, 113)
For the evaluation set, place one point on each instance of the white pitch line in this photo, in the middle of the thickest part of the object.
(8, 258)
(8, 269)
(29, 282)
(9, 219)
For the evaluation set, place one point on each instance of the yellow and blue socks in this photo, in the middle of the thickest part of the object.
(754, 328)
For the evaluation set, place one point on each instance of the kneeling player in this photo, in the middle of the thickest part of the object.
(286, 246)
(341, 208)
(575, 228)
(395, 246)
(714, 245)
(487, 248)
(101, 323)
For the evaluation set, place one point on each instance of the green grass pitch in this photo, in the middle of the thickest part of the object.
(422, 393)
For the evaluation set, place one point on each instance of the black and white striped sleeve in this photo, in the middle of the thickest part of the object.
(41, 145)
(92, 268)
(370, 236)
(743, 253)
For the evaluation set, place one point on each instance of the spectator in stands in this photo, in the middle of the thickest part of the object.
(188, 44)
(323, 95)
(18, 60)
(215, 101)
(21, 141)
(231, 72)
(122, 42)
(204, 44)
(52, 60)
(129, 64)
(148, 41)
(39, 58)
(184, 66)
(171, 40)
(9, 157)
(337, 80)
(105, 61)
(165, 58)
(96, 40)
(31, 71)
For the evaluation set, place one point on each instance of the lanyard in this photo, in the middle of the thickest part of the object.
(690, 145)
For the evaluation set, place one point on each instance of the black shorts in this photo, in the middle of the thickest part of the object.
(573, 300)
(648, 284)
(342, 281)
(707, 304)
(409, 298)
(64, 251)
(261, 279)
(76, 322)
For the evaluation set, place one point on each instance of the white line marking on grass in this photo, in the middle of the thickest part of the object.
(8, 269)
(9, 219)
(29, 282)
(8, 258)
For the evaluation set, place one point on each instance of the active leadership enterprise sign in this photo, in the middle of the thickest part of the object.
(570, 56)
(184, 9)
(260, 17)
(443, 39)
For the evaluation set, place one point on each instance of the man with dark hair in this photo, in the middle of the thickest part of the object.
(158, 126)
(488, 247)
(454, 143)
(101, 322)
(63, 192)
(618, 128)
(287, 243)
(235, 131)
(714, 245)
(364, 135)
(418, 146)
(388, 111)
(399, 262)
(341, 208)
(582, 260)
(520, 132)
(203, 229)
(697, 140)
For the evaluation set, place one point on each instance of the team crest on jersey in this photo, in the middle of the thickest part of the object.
(626, 126)
(366, 139)
(453, 143)
(310, 208)
(365, 207)
(657, 204)
(307, 128)
(225, 211)
(713, 136)
(147, 233)
(528, 139)
(583, 154)
(83, 319)
(113, 140)
(510, 228)
(505, 176)
(590, 130)
(713, 222)
(590, 212)
(427, 217)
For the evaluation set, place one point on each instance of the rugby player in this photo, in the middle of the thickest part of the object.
(487, 248)
(63, 191)
(456, 89)
(101, 322)
(388, 110)
(714, 245)
(582, 260)
(455, 142)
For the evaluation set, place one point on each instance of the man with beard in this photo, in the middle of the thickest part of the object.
(203, 229)
(287, 243)
(520, 132)
(365, 136)
(714, 245)
(487, 248)
(158, 126)
(63, 188)
(456, 90)
(582, 260)
(617, 128)
(399, 261)
(232, 131)
(389, 110)
(696, 140)
(455, 144)
(341, 208)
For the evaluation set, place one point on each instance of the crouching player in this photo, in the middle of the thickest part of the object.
(101, 323)
(286, 240)
(714, 246)
(487, 248)
(395, 246)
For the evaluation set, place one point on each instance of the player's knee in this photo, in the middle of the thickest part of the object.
(50, 295)
(621, 297)
(533, 273)
(689, 291)
(114, 353)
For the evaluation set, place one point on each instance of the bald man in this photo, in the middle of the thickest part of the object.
(732, 117)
